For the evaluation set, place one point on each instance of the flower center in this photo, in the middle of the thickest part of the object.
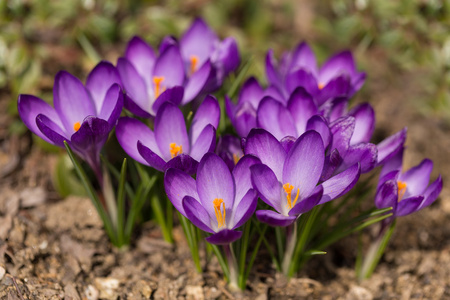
(288, 190)
(76, 126)
(401, 189)
(218, 203)
(157, 81)
(321, 86)
(175, 150)
(194, 62)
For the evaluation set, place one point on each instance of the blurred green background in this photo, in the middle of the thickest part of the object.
(389, 38)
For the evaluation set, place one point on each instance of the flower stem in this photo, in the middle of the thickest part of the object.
(375, 251)
(232, 266)
(291, 240)
(110, 198)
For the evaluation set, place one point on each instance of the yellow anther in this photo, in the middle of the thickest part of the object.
(288, 190)
(321, 86)
(76, 126)
(218, 202)
(235, 158)
(194, 62)
(401, 189)
(157, 80)
(175, 150)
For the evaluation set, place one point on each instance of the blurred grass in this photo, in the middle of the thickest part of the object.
(38, 38)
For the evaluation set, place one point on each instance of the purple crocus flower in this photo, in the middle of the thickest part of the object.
(82, 116)
(230, 150)
(150, 81)
(199, 45)
(336, 78)
(288, 176)
(243, 114)
(170, 145)
(406, 192)
(218, 201)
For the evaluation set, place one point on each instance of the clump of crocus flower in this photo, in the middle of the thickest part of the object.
(406, 192)
(299, 145)
(83, 116)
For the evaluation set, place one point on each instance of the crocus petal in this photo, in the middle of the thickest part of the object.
(196, 83)
(275, 118)
(214, 180)
(274, 219)
(134, 85)
(364, 123)
(198, 41)
(337, 87)
(342, 130)
(357, 83)
(226, 57)
(389, 146)
(338, 64)
(170, 66)
(142, 57)
(287, 142)
(304, 163)
(302, 108)
(205, 142)
(244, 119)
(173, 95)
(266, 147)
(151, 158)
(135, 109)
(273, 77)
(387, 195)
(267, 185)
(30, 107)
(99, 81)
(48, 129)
(432, 192)
(332, 162)
(364, 153)
(170, 128)
(112, 105)
(129, 131)
(71, 100)
(251, 92)
(224, 237)
(408, 206)
(394, 163)
(303, 57)
(245, 209)
(308, 203)
(340, 184)
(177, 185)
(197, 214)
(417, 178)
(320, 125)
(242, 176)
(207, 113)
(302, 78)
(184, 163)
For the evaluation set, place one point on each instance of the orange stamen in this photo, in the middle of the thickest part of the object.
(401, 189)
(157, 81)
(321, 86)
(194, 62)
(288, 190)
(175, 150)
(76, 126)
(236, 158)
(218, 202)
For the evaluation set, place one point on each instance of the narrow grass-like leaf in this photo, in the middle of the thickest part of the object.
(92, 195)
(121, 203)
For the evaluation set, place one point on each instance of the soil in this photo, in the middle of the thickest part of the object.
(52, 248)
